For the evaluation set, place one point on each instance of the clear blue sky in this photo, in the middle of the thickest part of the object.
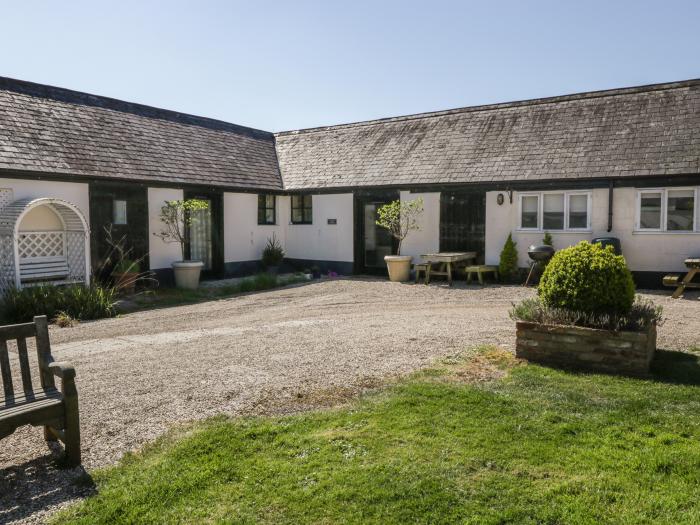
(294, 64)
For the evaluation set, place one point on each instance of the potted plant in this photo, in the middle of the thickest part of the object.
(177, 216)
(272, 255)
(315, 272)
(308, 274)
(125, 274)
(400, 218)
(586, 315)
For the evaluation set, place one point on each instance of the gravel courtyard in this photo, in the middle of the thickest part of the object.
(139, 374)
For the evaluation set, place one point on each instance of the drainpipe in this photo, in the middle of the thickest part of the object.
(610, 206)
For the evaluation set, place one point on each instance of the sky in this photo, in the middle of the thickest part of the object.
(281, 65)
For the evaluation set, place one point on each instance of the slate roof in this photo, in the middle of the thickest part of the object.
(631, 132)
(59, 131)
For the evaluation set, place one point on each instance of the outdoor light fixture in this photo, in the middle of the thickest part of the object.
(500, 199)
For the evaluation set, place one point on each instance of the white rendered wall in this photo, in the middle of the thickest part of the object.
(244, 238)
(644, 251)
(161, 254)
(427, 239)
(321, 241)
(73, 192)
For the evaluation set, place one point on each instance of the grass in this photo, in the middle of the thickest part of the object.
(161, 297)
(477, 440)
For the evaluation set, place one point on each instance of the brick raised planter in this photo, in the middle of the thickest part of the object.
(628, 353)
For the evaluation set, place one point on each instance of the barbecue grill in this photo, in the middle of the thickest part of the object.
(540, 255)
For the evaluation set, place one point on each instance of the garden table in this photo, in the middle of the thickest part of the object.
(445, 260)
(693, 265)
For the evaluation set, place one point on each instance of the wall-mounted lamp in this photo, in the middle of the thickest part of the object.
(500, 199)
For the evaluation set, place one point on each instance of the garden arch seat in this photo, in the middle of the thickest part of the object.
(43, 241)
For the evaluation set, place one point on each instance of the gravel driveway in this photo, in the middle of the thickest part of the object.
(139, 374)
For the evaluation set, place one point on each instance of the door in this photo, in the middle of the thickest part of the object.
(462, 222)
(372, 241)
(205, 234)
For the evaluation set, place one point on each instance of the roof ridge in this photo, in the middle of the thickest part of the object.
(71, 96)
(644, 88)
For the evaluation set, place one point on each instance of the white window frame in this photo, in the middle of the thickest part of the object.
(664, 210)
(540, 210)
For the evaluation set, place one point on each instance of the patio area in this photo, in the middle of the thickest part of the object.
(307, 345)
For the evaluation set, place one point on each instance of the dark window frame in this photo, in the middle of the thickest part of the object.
(304, 204)
(263, 209)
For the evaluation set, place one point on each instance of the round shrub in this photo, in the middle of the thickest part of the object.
(588, 278)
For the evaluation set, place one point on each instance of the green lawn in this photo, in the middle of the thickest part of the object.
(534, 446)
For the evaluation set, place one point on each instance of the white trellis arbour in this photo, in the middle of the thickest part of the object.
(30, 255)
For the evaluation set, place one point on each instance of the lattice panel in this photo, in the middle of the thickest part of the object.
(7, 195)
(75, 253)
(40, 244)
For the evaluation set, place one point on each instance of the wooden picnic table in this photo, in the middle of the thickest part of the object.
(693, 265)
(445, 260)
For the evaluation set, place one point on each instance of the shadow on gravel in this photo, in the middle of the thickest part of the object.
(39, 484)
(670, 366)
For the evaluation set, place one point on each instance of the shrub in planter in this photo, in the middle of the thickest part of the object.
(587, 278)
(272, 255)
(125, 273)
(586, 315)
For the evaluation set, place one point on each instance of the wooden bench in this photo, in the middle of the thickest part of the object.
(425, 269)
(43, 269)
(693, 265)
(480, 270)
(56, 411)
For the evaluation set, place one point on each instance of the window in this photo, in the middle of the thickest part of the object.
(267, 209)
(119, 212)
(529, 210)
(301, 209)
(555, 211)
(671, 210)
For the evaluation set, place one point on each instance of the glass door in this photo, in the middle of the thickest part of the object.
(377, 241)
(200, 236)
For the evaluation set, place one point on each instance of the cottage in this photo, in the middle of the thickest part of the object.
(622, 162)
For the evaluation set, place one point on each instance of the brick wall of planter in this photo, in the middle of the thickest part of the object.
(627, 353)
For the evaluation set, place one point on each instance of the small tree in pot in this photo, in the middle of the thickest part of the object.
(177, 216)
(400, 218)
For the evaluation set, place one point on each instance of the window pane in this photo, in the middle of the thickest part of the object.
(578, 211)
(307, 215)
(553, 212)
(680, 209)
(650, 211)
(296, 215)
(261, 215)
(528, 217)
(307, 201)
(119, 212)
(296, 201)
(270, 216)
(269, 201)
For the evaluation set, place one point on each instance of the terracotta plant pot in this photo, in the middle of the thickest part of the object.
(187, 274)
(399, 267)
(125, 282)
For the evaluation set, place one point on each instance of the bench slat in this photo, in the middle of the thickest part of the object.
(8, 388)
(24, 367)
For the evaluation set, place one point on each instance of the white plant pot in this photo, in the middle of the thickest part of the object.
(399, 267)
(187, 274)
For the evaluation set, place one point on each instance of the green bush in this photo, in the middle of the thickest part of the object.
(508, 265)
(273, 254)
(547, 239)
(78, 302)
(587, 278)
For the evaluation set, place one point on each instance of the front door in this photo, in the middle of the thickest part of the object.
(372, 241)
(463, 222)
(205, 234)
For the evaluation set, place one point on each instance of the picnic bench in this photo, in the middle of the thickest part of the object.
(56, 411)
(693, 265)
(446, 262)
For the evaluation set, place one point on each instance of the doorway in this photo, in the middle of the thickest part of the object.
(205, 234)
(463, 222)
(372, 242)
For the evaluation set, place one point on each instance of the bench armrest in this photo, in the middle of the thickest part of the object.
(63, 370)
